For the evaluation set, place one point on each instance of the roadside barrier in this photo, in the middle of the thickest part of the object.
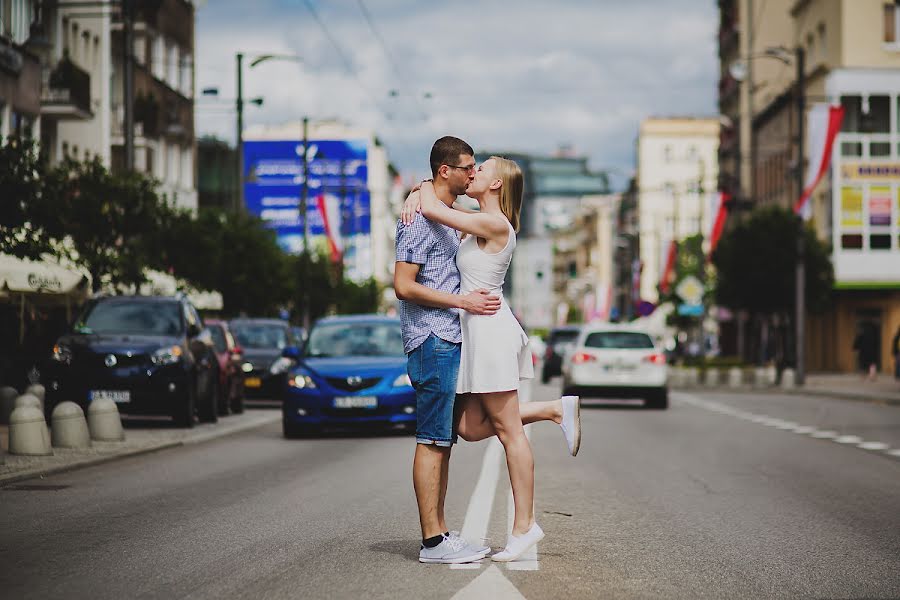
(735, 377)
(38, 391)
(788, 378)
(712, 378)
(68, 427)
(8, 397)
(28, 400)
(692, 376)
(104, 422)
(28, 435)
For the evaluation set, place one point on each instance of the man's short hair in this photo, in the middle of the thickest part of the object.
(446, 151)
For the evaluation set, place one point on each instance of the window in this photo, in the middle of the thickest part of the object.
(823, 48)
(891, 17)
(866, 114)
(667, 154)
(619, 340)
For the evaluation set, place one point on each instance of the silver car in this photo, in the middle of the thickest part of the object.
(616, 361)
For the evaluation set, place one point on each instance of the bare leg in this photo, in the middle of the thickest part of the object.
(445, 478)
(473, 424)
(502, 409)
(428, 464)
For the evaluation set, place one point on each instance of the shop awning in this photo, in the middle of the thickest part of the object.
(46, 279)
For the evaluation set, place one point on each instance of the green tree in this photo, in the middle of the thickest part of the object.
(354, 298)
(27, 222)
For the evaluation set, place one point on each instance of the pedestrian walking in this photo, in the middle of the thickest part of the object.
(495, 355)
(866, 346)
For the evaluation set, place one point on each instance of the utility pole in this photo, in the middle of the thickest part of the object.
(128, 81)
(239, 151)
(304, 200)
(800, 275)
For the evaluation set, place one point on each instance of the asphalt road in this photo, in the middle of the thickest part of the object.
(722, 496)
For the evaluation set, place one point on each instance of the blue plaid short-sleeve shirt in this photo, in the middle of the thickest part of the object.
(432, 246)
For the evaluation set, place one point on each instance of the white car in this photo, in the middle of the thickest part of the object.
(616, 361)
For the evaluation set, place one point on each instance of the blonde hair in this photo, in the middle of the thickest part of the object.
(511, 190)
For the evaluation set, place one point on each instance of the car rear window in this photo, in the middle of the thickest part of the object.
(627, 340)
(563, 337)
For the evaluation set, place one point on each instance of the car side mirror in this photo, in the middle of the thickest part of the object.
(292, 352)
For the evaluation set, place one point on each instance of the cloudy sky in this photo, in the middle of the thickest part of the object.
(523, 75)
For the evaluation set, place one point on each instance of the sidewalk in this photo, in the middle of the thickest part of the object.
(852, 386)
(141, 436)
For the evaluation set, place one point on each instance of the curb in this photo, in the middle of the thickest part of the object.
(41, 472)
(884, 400)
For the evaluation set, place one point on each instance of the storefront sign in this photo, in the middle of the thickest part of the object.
(851, 207)
(869, 171)
(880, 206)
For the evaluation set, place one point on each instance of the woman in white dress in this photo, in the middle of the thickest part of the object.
(495, 354)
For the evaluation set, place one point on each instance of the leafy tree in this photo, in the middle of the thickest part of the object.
(755, 263)
(355, 298)
(25, 220)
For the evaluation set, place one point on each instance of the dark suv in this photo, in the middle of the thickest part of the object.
(149, 354)
(558, 341)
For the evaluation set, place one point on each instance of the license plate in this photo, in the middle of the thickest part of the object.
(117, 396)
(253, 382)
(356, 402)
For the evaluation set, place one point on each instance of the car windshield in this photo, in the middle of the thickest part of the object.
(619, 340)
(134, 317)
(355, 339)
(260, 335)
(218, 338)
(558, 338)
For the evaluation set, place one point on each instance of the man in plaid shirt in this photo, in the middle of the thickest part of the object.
(426, 281)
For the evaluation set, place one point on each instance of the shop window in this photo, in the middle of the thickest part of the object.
(870, 114)
(880, 149)
(880, 241)
(852, 241)
(851, 149)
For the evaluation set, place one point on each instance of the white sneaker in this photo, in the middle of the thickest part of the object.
(484, 550)
(452, 550)
(571, 422)
(517, 546)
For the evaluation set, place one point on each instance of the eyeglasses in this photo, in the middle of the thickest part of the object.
(469, 169)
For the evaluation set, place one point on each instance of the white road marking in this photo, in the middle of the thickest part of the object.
(490, 584)
(463, 566)
(790, 426)
(478, 514)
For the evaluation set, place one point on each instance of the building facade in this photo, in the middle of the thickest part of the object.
(676, 182)
(852, 58)
(20, 70)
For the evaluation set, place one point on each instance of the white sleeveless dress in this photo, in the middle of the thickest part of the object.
(495, 354)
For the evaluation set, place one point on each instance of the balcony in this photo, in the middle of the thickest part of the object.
(66, 92)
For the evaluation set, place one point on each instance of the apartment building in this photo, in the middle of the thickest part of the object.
(20, 70)
(852, 58)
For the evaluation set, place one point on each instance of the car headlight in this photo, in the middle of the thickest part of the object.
(167, 356)
(281, 365)
(402, 381)
(62, 354)
(303, 382)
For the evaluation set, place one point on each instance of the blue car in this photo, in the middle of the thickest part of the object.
(351, 373)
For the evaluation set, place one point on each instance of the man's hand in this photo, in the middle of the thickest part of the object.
(412, 205)
(480, 302)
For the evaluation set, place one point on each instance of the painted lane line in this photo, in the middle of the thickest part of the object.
(478, 513)
(823, 435)
(874, 446)
(848, 439)
(489, 584)
(894, 452)
(464, 566)
(804, 429)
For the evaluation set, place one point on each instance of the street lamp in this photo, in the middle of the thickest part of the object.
(739, 70)
(239, 102)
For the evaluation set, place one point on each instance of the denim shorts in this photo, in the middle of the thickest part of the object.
(433, 368)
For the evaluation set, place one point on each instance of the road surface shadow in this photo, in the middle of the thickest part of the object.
(611, 404)
(407, 549)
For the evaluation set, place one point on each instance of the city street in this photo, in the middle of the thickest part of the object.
(708, 499)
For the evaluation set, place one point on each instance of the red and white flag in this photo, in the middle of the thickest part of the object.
(720, 210)
(669, 253)
(823, 125)
(330, 211)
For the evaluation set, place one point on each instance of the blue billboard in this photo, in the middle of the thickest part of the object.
(338, 202)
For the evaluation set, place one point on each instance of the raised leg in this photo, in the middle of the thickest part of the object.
(473, 424)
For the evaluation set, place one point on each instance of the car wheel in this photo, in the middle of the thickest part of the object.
(209, 411)
(658, 399)
(237, 403)
(184, 413)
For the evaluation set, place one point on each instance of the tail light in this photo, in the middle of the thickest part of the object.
(237, 352)
(583, 357)
(656, 359)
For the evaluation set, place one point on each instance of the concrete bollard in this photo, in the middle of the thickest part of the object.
(788, 379)
(735, 377)
(8, 397)
(29, 400)
(712, 377)
(68, 427)
(759, 377)
(28, 435)
(771, 375)
(674, 377)
(38, 391)
(104, 421)
(692, 376)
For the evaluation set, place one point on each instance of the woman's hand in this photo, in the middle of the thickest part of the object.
(412, 205)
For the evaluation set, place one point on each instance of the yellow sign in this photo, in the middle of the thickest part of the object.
(870, 171)
(851, 207)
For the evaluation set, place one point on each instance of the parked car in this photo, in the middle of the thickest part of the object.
(150, 355)
(263, 342)
(559, 340)
(617, 361)
(230, 357)
(352, 373)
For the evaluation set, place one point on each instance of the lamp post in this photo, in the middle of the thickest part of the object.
(239, 105)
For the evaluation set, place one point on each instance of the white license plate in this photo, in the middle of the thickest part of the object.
(117, 396)
(356, 402)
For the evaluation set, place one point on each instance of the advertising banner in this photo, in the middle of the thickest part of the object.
(337, 192)
(851, 207)
(880, 206)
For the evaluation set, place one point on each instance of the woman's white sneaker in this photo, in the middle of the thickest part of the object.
(517, 546)
(571, 422)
